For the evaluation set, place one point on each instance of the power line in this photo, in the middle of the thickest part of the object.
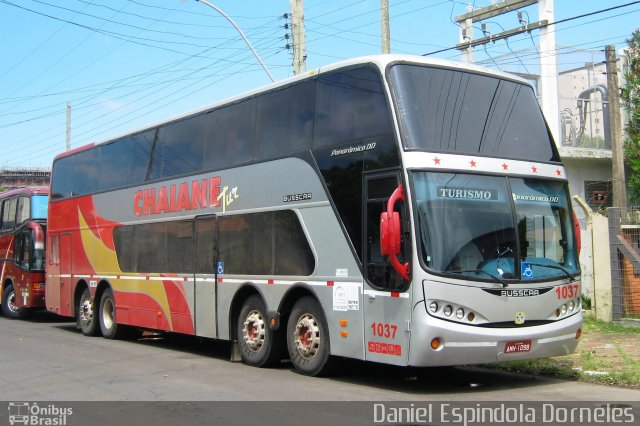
(555, 23)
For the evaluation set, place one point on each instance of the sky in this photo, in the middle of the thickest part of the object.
(125, 64)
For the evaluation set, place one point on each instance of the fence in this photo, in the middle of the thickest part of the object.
(624, 238)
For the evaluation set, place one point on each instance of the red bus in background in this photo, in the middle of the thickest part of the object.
(23, 220)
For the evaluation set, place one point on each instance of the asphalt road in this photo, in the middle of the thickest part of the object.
(46, 359)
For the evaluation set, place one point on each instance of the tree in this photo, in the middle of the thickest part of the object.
(631, 97)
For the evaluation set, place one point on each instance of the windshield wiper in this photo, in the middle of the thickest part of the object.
(496, 279)
(561, 268)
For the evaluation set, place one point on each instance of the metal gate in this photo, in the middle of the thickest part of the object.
(624, 240)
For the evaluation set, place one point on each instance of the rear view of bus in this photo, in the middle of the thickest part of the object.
(22, 244)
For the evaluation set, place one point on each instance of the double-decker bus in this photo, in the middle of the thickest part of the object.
(23, 222)
(390, 208)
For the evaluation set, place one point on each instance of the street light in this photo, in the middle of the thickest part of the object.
(217, 9)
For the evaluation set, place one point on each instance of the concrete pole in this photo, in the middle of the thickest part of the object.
(384, 26)
(466, 35)
(549, 71)
(299, 38)
(615, 131)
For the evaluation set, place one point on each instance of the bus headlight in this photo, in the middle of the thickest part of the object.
(460, 313)
(447, 310)
(433, 307)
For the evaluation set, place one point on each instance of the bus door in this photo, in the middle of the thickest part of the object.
(59, 288)
(386, 298)
(205, 288)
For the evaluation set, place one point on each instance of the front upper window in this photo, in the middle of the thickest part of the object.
(448, 110)
(488, 227)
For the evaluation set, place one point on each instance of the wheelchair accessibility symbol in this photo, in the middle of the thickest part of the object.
(526, 270)
(220, 267)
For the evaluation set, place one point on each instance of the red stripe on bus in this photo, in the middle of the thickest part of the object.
(330, 283)
(270, 282)
(395, 294)
(219, 280)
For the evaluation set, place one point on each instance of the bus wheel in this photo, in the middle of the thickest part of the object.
(107, 317)
(86, 319)
(308, 338)
(9, 307)
(259, 345)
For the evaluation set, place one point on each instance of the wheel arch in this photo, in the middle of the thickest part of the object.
(297, 292)
(81, 285)
(244, 292)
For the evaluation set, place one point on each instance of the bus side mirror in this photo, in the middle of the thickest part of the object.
(390, 233)
(38, 235)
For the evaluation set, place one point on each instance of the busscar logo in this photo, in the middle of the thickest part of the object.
(296, 197)
(32, 414)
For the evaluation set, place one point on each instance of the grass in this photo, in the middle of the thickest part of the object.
(608, 353)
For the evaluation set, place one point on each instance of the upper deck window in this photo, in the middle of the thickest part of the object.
(461, 112)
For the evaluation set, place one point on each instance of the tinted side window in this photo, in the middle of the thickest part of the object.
(9, 214)
(250, 245)
(231, 137)
(125, 161)
(285, 120)
(179, 147)
(155, 247)
(205, 245)
(76, 174)
(24, 210)
(350, 105)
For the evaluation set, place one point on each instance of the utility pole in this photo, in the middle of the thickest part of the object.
(548, 67)
(466, 34)
(615, 127)
(549, 70)
(298, 37)
(384, 26)
(68, 126)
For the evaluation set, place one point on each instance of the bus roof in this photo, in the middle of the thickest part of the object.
(381, 61)
(26, 190)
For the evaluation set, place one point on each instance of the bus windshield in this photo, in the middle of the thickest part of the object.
(455, 111)
(493, 228)
(39, 206)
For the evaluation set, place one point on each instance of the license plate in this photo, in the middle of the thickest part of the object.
(513, 347)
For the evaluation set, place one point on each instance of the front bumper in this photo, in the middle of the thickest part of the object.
(464, 344)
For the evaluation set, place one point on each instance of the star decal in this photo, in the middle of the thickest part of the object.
(473, 163)
(436, 160)
(505, 166)
(558, 172)
(534, 169)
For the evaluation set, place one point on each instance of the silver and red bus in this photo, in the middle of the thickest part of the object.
(394, 209)
(23, 222)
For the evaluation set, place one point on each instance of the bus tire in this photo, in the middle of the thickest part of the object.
(107, 317)
(260, 346)
(9, 307)
(86, 320)
(308, 338)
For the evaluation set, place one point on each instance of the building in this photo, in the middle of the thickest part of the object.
(15, 177)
